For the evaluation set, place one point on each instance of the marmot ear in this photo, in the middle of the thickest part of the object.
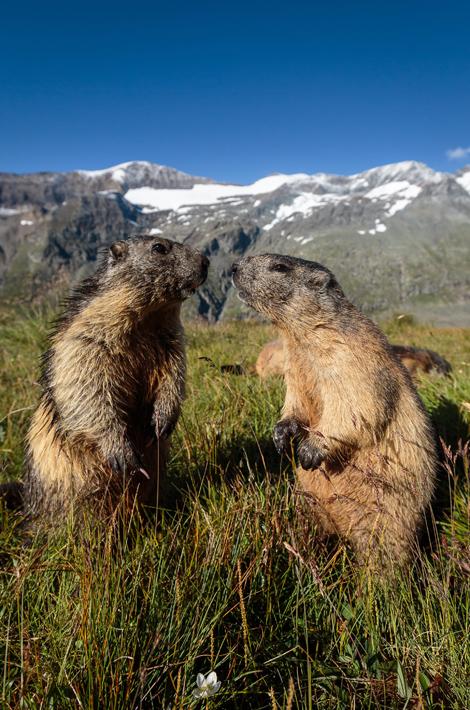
(321, 279)
(119, 250)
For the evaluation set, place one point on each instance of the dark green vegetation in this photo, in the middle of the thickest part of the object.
(231, 579)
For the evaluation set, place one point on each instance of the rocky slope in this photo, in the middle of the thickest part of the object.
(397, 236)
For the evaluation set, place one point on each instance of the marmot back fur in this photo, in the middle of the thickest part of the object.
(364, 442)
(113, 380)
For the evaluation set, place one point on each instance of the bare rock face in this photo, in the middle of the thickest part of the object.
(397, 236)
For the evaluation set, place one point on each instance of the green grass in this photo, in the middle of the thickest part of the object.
(231, 578)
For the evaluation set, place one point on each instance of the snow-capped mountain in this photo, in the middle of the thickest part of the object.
(391, 188)
(398, 236)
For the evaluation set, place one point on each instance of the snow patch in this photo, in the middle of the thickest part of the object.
(403, 190)
(155, 230)
(26, 222)
(401, 187)
(397, 207)
(7, 212)
(157, 199)
(303, 204)
(464, 181)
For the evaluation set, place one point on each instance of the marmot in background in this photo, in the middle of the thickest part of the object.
(270, 360)
(421, 359)
(364, 443)
(113, 381)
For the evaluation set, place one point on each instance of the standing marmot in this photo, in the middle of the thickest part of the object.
(113, 380)
(270, 360)
(364, 442)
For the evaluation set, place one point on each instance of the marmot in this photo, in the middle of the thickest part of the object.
(270, 361)
(422, 360)
(364, 443)
(113, 380)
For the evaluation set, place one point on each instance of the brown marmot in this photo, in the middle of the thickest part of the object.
(364, 443)
(422, 360)
(270, 361)
(113, 380)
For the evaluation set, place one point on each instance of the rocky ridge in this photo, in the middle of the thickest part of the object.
(398, 236)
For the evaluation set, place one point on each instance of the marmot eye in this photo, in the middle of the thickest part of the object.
(159, 248)
(282, 268)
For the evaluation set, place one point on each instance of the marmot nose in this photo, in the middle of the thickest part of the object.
(234, 268)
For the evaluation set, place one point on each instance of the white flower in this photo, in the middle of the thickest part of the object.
(206, 685)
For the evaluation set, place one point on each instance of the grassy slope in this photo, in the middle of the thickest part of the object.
(231, 579)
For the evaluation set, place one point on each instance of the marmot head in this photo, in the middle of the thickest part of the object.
(163, 271)
(286, 289)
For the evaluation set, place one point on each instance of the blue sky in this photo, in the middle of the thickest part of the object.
(234, 91)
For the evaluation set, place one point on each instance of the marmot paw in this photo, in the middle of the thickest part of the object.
(124, 461)
(309, 456)
(284, 432)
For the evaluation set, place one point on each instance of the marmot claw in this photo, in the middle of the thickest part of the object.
(284, 432)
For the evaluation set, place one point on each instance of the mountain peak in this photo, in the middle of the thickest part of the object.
(411, 170)
(136, 173)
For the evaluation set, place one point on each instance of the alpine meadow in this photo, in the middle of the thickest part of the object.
(230, 578)
(235, 355)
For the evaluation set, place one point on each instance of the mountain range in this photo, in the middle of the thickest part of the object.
(396, 236)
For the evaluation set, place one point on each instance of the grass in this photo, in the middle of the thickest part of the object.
(231, 578)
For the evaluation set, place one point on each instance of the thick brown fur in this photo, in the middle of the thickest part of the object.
(270, 361)
(363, 440)
(113, 381)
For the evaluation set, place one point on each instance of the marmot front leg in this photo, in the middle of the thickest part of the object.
(286, 432)
(168, 399)
(311, 452)
(120, 454)
(110, 433)
(106, 430)
(324, 445)
(164, 421)
(292, 431)
(310, 449)
(291, 428)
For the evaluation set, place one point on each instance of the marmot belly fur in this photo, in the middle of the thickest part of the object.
(113, 381)
(364, 442)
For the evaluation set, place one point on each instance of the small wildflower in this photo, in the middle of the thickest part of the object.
(206, 685)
